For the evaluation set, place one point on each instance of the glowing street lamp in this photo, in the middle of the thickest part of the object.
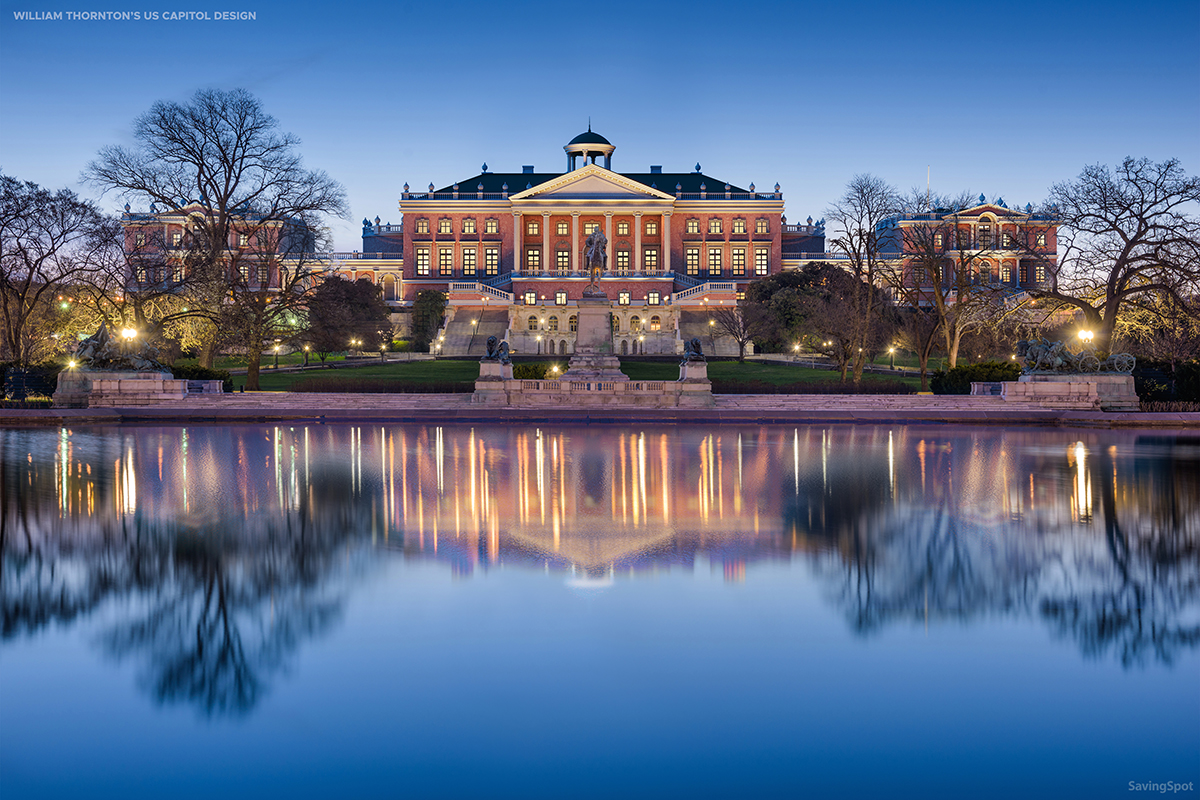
(1086, 336)
(276, 356)
(306, 355)
(892, 353)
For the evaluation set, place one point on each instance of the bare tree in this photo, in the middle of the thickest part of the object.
(743, 323)
(857, 217)
(1127, 237)
(47, 244)
(254, 211)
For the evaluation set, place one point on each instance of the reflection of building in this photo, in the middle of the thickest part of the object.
(507, 248)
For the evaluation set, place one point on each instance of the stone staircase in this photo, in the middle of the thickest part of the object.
(465, 339)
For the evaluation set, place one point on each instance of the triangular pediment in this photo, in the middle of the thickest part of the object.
(990, 208)
(591, 183)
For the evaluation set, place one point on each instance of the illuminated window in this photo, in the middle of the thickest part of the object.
(691, 260)
(468, 259)
(1005, 273)
(491, 226)
(532, 322)
(651, 228)
(623, 298)
(653, 299)
(650, 259)
(739, 226)
(552, 324)
(762, 259)
(243, 239)
(264, 274)
(714, 261)
(622, 262)
(573, 323)
(139, 240)
(491, 261)
(177, 238)
(445, 261)
(423, 261)
(714, 226)
(422, 226)
(693, 226)
(1039, 273)
(562, 228)
(590, 227)
(1041, 240)
(635, 323)
(762, 226)
(655, 323)
(444, 226)
(533, 260)
(563, 260)
(937, 241)
(469, 225)
(531, 299)
(622, 228)
(737, 261)
(1006, 240)
(532, 227)
(560, 298)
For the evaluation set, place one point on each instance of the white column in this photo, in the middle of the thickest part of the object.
(574, 241)
(608, 264)
(637, 241)
(665, 255)
(545, 242)
(518, 241)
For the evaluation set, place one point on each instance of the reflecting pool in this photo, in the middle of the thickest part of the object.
(522, 611)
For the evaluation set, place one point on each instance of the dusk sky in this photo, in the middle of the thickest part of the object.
(1001, 99)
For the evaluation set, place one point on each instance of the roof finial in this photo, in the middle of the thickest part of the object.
(589, 123)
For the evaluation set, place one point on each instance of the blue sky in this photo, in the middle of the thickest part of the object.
(1004, 99)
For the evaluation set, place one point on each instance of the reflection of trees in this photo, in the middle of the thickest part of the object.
(213, 604)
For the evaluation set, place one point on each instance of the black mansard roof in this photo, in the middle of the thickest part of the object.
(689, 182)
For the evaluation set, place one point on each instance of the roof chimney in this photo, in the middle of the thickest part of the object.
(527, 169)
(656, 169)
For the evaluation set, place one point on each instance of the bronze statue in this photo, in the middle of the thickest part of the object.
(497, 351)
(596, 256)
(101, 351)
(692, 351)
(1043, 356)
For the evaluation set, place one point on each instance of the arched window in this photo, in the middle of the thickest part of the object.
(624, 347)
(553, 326)
(655, 323)
(616, 324)
(550, 347)
(635, 323)
(389, 288)
(573, 323)
(533, 323)
(562, 346)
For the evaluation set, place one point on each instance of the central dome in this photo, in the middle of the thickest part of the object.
(590, 145)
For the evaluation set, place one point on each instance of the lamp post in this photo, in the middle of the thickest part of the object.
(1086, 337)
(276, 356)
(539, 344)
(892, 353)
(306, 355)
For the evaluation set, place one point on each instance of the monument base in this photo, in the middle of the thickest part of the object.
(99, 389)
(593, 359)
(1076, 391)
(490, 385)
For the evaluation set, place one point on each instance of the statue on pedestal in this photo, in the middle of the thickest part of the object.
(101, 351)
(497, 351)
(595, 254)
(692, 351)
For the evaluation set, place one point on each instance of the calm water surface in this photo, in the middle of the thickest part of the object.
(415, 611)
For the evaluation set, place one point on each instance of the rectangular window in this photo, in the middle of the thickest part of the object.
(714, 226)
(469, 261)
(651, 228)
(264, 274)
(532, 227)
(1006, 240)
(590, 227)
(622, 262)
(422, 226)
(738, 261)
(984, 237)
(445, 262)
(244, 272)
(563, 260)
(177, 239)
(739, 226)
(560, 298)
(937, 241)
(243, 239)
(562, 227)
(653, 299)
(650, 259)
(762, 226)
(533, 260)
(444, 226)
(964, 239)
(422, 262)
(531, 298)
(177, 272)
(469, 225)
(491, 261)
(762, 260)
(1041, 240)
(139, 240)
(714, 261)
(1005, 274)
(491, 226)
(623, 299)
(693, 226)
(691, 260)
(1039, 273)
(622, 228)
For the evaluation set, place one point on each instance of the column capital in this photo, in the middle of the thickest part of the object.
(608, 214)
(574, 213)
(545, 213)
(638, 213)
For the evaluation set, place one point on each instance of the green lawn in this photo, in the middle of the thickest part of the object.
(465, 372)
(267, 362)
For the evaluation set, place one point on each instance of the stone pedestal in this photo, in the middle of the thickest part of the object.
(694, 372)
(593, 359)
(97, 389)
(490, 386)
(1076, 391)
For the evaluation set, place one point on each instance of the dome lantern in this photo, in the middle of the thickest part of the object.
(589, 145)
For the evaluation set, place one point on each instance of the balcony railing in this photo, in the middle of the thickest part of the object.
(460, 195)
(720, 194)
(529, 274)
(356, 256)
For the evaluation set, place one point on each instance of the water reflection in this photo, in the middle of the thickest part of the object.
(222, 549)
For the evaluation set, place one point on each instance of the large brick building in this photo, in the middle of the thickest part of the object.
(507, 248)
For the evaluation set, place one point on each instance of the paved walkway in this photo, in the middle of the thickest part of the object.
(733, 409)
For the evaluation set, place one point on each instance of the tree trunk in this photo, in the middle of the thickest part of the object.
(255, 359)
(208, 348)
(952, 348)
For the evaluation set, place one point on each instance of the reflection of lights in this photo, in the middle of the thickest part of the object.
(1083, 488)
